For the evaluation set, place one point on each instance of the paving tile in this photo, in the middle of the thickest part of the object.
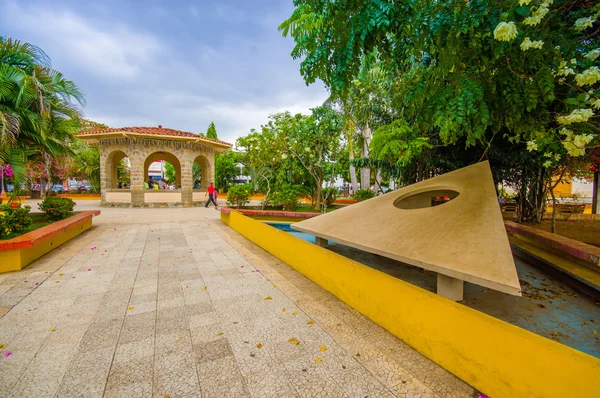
(271, 382)
(130, 371)
(359, 383)
(135, 350)
(77, 337)
(87, 373)
(212, 350)
(175, 375)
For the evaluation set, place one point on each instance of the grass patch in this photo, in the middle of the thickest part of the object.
(38, 220)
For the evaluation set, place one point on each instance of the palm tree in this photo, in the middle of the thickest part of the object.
(38, 106)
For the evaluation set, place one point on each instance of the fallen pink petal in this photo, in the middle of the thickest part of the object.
(7, 354)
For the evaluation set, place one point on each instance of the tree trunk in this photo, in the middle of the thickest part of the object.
(318, 193)
(353, 182)
(42, 188)
(365, 173)
(378, 180)
(596, 194)
(553, 225)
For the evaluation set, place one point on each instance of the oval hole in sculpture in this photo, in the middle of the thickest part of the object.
(426, 199)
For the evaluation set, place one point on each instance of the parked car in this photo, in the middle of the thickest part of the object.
(57, 188)
(11, 187)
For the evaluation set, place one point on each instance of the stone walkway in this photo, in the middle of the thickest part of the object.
(171, 302)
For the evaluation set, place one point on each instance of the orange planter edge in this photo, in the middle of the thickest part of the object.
(17, 253)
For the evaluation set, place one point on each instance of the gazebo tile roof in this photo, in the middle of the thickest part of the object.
(151, 131)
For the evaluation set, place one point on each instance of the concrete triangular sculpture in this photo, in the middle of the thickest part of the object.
(462, 239)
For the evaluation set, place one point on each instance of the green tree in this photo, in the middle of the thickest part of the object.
(38, 110)
(315, 141)
(261, 152)
(212, 131)
(225, 169)
(478, 73)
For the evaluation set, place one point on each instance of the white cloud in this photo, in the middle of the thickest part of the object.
(191, 68)
(110, 50)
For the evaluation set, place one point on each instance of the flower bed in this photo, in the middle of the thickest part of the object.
(17, 253)
(271, 215)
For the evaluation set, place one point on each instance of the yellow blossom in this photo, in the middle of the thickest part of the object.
(527, 44)
(575, 144)
(577, 116)
(532, 146)
(505, 31)
(592, 55)
(589, 76)
(537, 16)
(583, 23)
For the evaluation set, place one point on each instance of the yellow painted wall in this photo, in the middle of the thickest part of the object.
(15, 260)
(495, 357)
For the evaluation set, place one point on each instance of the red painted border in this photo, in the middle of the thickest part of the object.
(345, 201)
(270, 213)
(583, 251)
(48, 232)
(66, 195)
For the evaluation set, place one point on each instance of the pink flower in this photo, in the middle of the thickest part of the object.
(7, 354)
(37, 283)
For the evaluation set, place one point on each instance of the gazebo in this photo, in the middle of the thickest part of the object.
(145, 145)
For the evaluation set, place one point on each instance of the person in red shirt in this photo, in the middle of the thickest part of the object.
(211, 195)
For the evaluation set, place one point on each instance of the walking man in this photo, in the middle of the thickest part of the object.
(211, 195)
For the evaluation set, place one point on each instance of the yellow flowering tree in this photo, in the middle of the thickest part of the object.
(473, 73)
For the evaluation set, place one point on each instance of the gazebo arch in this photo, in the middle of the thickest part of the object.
(111, 168)
(144, 145)
(167, 157)
(206, 172)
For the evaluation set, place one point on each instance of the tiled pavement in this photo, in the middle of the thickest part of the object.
(171, 302)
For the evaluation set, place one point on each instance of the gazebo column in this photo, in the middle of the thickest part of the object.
(137, 179)
(208, 172)
(103, 176)
(187, 182)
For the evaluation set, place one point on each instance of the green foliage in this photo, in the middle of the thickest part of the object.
(397, 142)
(212, 131)
(442, 89)
(363, 194)
(57, 208)
(330, 194)
(239, 195)
(170, 174)
(87, 163)
(288, 198)
(38, 111)
(226, 169)
(13, 218)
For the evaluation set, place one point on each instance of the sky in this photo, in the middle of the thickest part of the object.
(180, 64)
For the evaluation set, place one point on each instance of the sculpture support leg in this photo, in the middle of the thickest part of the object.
(321, 242)
(449, 287)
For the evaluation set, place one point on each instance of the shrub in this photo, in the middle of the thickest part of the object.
(288, 197)
(329, 196)
(14, 218)
(239, 195)
(57, 208)
(363, 194)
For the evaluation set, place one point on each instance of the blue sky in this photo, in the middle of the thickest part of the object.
(178, 63)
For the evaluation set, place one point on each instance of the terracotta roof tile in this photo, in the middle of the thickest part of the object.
(152, 131)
